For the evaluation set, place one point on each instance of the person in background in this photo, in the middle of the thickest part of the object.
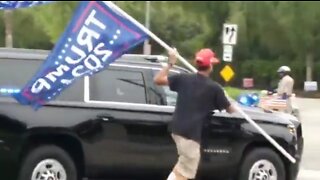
(198, 96)
(285, 86)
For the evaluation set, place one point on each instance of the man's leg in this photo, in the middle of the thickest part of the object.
(172, 176)
(179, 176)
(175, 175)
(189, 158)
(289, 106)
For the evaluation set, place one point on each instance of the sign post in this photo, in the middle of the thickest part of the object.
(230, 32)
(227, 53)
(227, 73)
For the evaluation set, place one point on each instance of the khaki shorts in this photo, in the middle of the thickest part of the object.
(189, 156)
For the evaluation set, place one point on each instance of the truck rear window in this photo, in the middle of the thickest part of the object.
(171, 96)
(15, 73)
(118, 86)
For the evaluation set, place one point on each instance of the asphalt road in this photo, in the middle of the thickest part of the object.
(310, 116)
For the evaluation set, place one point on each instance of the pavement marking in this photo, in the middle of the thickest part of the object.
(310, 174)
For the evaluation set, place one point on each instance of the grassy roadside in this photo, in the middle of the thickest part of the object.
(235, 92)
(304, 94)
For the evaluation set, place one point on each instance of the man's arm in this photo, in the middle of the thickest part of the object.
(222, 101)
(231, 109)
(161, 78)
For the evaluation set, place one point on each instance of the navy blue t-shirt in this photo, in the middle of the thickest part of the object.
(198, 96)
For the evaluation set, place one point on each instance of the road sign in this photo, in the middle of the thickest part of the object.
(230, 34)
(247, 82)
(227, 53)
(310, 86)
(227, 73)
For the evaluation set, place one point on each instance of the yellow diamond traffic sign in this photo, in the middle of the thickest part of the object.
(227, 73)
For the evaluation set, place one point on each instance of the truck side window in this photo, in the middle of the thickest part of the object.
(171, 96)
(118, 86)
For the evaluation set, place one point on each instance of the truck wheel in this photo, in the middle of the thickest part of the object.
(48, 163)
(262, 164)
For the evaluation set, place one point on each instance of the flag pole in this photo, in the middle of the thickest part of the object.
(153, 36)
(186, 63)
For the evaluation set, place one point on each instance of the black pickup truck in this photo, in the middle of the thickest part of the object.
(115, 125)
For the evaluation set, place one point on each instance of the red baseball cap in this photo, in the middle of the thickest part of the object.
(205, 57)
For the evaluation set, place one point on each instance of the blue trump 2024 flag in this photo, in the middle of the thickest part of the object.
(21, 4)
(96, 36)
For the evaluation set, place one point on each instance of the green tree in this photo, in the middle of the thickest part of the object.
(215, 13)
(300, 20)
(53, 18)
(173, 24)
(26, 34)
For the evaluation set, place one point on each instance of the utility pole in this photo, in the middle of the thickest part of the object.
(8, 28)
(146, 45)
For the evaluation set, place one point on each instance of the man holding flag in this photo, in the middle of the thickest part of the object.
(198, 96)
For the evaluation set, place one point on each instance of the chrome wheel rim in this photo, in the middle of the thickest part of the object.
(263, 170)
(49, 169)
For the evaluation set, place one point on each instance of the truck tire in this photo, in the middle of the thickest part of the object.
(261, 164)
(48, 161)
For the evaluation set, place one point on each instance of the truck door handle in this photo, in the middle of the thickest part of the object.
(105, 117)
(151, 123)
